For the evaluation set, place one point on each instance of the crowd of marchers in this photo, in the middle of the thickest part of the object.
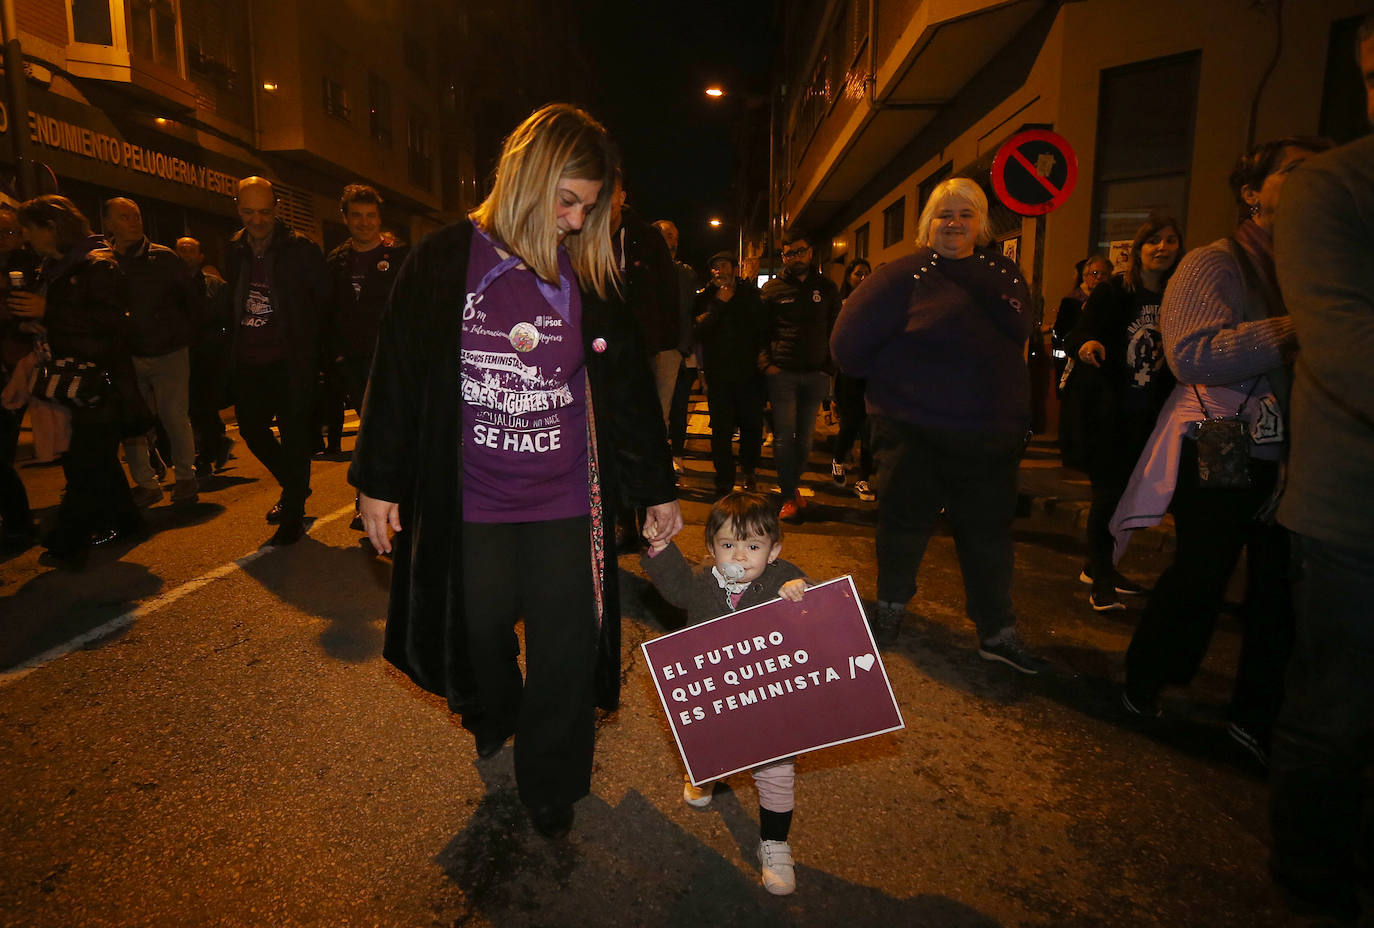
(541, 418)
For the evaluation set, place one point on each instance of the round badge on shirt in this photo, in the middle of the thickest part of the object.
(815, 296)
(384, 265)
(524, 336)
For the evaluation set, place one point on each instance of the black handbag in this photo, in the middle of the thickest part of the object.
(1223, 449)
(74, 383)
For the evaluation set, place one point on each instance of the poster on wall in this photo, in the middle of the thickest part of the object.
(1011, 248)
(1120, 254)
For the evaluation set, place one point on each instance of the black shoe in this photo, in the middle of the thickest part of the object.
(225, 445)
(1140, 705)
(357, 523)
(1252, 741)
(204, 467)
(1121, 584)
(1105, 602)
(274, 515)
(553, 822)
(1007, 647)
(73, 558)
(288, 532)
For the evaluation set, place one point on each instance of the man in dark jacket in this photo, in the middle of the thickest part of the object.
(686, 346)
(160, 312)
(209, 358)
(278, 285)
(799, 308)
(729, 324)
(361, 273)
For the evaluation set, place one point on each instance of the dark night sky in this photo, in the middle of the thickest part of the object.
(650, 62)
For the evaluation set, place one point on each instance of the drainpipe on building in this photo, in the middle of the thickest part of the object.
(17, 101)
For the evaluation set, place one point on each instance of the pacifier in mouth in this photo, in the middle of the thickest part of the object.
(733, 571)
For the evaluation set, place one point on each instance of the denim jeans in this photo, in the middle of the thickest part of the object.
(973, 476)
(165, 382)
(796, 399)
(1323, 844)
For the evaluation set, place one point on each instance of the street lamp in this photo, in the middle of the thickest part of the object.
(714, 91)
(715, 223)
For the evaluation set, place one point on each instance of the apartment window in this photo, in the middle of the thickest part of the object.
(861, 242)
(336, 99)
(1146, 114)
(417, 56)
(419, 146)
(379, 109)
(894, 223)
(91, 22)
(926, 187)
(153, 31)
(1343, 115)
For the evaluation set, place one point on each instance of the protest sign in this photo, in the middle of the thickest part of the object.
(773, 680)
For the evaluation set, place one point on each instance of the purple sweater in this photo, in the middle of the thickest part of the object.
(941, 341)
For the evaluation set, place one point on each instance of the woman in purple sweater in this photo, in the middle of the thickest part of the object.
(941, 338)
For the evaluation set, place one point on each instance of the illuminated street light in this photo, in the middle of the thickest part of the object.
(714, 91)
(269, 87)
(715, 223)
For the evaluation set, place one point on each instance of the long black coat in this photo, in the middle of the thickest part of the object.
(409, 451)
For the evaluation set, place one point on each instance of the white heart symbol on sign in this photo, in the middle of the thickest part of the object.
(866, 662)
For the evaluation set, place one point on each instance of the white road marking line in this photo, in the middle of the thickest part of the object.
(161, 601)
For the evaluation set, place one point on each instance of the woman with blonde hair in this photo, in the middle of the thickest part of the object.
(508, 405)
(940, 336)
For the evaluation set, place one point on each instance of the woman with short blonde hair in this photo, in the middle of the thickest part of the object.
(510, 402)
(940, 336)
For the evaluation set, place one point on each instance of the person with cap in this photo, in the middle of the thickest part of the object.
(731, 328)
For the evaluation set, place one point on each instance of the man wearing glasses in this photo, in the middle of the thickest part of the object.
(800, 308)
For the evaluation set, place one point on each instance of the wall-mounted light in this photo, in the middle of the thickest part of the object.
(269, 87)
(161, 120)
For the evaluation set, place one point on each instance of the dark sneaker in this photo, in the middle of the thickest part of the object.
(1140, 705)
(1105, 602)
(887, 622)
(226, 445)
(863, 491)
(185, 492)
(1251, 741)
(147, 496)
(1121, 584)
(553, 822)
(1006, 646)
(837, 473)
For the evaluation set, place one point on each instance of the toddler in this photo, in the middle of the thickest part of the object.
(744, 538)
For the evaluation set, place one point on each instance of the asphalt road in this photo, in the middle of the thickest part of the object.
(194, 731)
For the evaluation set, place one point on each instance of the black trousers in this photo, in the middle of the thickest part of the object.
(734, 404)
(677, 409)
(97, 494)
(14, 499)
(973, 475)
(1113, 460)
(265, 393)
(540, 572)
(206, 397)
(849, 403)
(1212, 527)
(1322, 820)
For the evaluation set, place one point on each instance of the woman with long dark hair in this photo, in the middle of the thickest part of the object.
(497, 434)
(1231, 344)
(79, 300)
(1122, 381)
(849, 404)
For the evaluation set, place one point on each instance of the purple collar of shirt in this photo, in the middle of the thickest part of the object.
(558, 297)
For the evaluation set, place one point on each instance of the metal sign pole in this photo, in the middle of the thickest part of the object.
(17, 101)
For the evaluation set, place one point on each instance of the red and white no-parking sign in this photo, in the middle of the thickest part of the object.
(1034, 172)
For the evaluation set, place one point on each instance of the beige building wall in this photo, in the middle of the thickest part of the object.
(1235, 42)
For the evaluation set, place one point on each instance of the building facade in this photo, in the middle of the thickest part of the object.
(171, 102)
(885, 98)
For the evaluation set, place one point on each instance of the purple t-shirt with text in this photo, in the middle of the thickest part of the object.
(523, 398)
